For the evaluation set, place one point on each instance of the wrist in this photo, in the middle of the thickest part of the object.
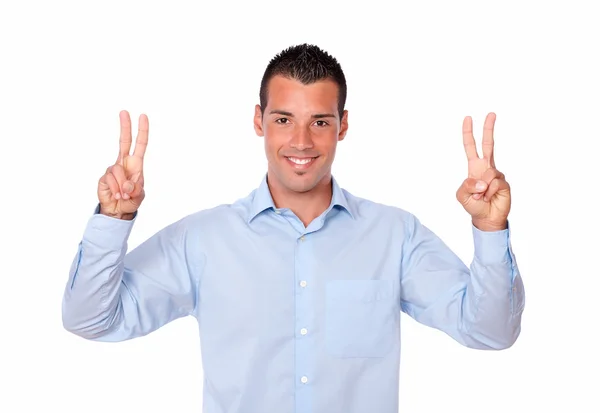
(490, 226)
(123, 216)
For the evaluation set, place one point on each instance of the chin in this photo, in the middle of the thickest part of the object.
(300, 186)
(310, 180)
(299, 180)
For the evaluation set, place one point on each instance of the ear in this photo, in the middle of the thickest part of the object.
(343, 126)
(258, 121)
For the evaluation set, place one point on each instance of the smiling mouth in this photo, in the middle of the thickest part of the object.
(300, 161)
(300, 164)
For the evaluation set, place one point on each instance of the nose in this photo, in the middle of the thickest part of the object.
(301, 140)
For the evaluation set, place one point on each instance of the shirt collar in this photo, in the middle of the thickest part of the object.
(262, 200)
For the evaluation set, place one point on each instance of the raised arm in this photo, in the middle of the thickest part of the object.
(480, 306)
(111, 295)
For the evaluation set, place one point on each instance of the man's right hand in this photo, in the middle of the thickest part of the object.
(121, 188)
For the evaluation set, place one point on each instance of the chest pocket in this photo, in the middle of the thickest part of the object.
(361, 318)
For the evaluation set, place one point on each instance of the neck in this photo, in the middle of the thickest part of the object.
(306, 205)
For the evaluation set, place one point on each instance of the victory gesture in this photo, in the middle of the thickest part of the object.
(485, 194)
(121, 188)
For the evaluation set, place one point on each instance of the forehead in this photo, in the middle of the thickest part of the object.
(291, 92)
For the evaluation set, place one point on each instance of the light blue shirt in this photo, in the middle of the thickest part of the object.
(294, 319)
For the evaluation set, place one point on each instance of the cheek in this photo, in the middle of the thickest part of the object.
(272, 147)
(274, 139)
(327, 141)
(275, 134)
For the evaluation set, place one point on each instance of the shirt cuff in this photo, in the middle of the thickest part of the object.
(491, 247)
(108, 232)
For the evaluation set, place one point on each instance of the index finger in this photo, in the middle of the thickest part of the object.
(141, 141)
(125, 139)
(468, 139)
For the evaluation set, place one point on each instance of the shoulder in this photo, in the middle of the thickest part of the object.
(369, 210)
(395, 221)
(219, 217)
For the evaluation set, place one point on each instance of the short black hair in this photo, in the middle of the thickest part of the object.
(306, 63)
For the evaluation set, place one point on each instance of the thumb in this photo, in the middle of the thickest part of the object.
(128, 187)
(138, 190)
(471, 187)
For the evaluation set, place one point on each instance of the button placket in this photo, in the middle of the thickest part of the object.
(304, 342)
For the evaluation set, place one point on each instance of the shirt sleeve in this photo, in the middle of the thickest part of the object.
(480, 306)
(112, 295)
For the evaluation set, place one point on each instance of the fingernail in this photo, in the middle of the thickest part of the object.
(125, 196)
(480, 185)
(128, 187)
(117, 195)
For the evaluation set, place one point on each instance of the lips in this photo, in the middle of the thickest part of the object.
(300, 162)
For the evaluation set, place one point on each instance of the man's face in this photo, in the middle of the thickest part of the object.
(301, 127)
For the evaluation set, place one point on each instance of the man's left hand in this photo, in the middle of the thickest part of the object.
(485, 194)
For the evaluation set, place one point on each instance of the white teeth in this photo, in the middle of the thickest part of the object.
(301, 161)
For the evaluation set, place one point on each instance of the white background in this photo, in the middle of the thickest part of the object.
(413, 72)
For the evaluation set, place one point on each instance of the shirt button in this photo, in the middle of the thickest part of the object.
(302, 283)
(303, 331)
(302, 238)
(278, 212)
(304, 379)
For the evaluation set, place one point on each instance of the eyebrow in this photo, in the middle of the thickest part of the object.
(316, 116)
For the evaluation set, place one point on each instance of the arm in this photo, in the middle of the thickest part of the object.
(111, 295)
(114, 296)
(479, 306)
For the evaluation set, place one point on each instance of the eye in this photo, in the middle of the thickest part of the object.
(282, 121)
(322, 123)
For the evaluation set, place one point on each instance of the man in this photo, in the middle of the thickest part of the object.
(297, 287)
